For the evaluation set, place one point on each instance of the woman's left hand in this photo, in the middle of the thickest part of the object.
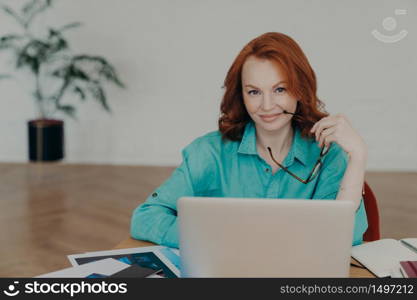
(337, 128)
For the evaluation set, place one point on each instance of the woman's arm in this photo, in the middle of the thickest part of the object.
(338, 129)
(351, 186)
(156, 219)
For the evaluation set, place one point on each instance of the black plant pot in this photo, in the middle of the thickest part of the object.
(46, 140)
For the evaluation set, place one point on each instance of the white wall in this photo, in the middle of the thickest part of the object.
(174, 55)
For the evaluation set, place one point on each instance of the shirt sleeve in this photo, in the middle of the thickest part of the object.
(156, 219)
(328, 185)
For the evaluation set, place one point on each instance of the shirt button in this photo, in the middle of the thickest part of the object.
(154, 195)
(266, 170)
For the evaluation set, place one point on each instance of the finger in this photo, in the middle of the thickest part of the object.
(325, 133)
(329, 139)
(316, 124)
(323, 125)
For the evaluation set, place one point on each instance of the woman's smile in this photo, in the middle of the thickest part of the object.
(270, 117)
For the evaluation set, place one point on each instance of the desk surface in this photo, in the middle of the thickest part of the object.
(355, 272)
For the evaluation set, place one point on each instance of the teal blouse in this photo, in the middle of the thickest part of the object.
(214, 168)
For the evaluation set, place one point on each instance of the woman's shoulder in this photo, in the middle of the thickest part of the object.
(202, 156)
(336, 158)
(208, 143)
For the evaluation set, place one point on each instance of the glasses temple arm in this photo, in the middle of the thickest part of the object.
(284, 168)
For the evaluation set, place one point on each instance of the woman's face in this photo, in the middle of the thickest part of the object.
(265, 94)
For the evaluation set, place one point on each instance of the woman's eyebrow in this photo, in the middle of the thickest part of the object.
(250, 85)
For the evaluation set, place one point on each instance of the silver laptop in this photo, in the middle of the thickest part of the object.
(253, 237)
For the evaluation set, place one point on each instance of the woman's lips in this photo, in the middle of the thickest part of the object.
(270, 118)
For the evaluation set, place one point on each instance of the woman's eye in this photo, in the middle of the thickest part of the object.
(280, 89)
(253, 92)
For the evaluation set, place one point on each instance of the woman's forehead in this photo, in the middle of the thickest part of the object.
(265, 72)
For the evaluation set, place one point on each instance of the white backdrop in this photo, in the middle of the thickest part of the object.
(173, 57)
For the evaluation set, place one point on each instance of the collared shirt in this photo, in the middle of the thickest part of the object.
(214, 168)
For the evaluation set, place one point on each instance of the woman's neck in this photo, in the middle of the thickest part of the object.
(280, 141)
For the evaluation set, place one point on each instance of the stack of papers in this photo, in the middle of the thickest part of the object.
(150, 262)
(383, 257)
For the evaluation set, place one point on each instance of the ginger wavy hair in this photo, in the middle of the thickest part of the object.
(301, 79)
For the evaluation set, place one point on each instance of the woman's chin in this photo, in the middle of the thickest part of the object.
(271, 126)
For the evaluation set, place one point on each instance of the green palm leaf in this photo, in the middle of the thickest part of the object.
(81, 93)
(49, 56)
(103, 68)
(9, 41)
(32, 9)
(69, 26)
(98, 93)
(13, 14)
(69, 110)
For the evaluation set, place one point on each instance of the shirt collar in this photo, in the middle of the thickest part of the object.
(298, 148)
(301, 147)
(248, 142)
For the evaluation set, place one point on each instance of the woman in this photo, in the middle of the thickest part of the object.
(274, 141)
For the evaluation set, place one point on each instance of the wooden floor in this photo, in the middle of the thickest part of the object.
(48, 211)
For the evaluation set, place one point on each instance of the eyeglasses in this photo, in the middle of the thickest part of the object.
(313, 173)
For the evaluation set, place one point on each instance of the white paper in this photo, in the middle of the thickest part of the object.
(154, 249)
(107, 267)
(173, 265)
(411, 243)
(73, 262)
(381, 256)
(396, 273)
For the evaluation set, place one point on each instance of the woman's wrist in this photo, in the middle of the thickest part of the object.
(358, 157)
(360, 154)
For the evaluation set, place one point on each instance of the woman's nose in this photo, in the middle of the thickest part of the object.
(267, 102)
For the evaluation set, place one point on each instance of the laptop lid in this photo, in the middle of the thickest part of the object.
(253, 237)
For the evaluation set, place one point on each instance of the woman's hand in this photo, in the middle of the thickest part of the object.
(337, 128)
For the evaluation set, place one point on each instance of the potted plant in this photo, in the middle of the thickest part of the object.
(56, 72)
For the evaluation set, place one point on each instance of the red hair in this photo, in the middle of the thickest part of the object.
(301, 79)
